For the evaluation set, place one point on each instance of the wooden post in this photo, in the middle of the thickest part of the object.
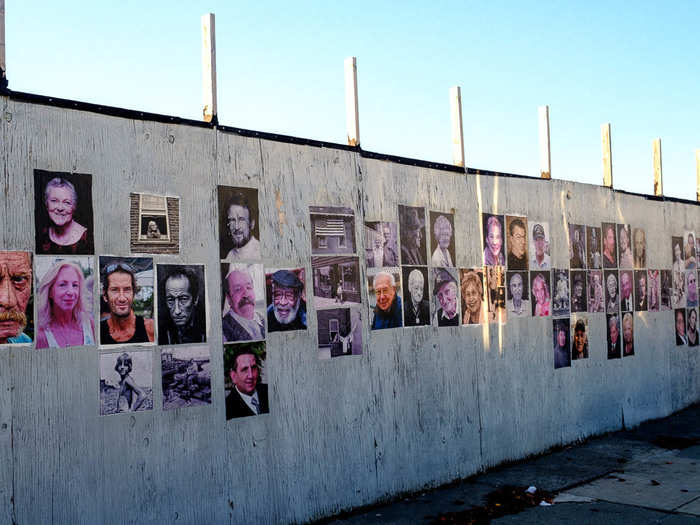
(697, 174)
(658, 171)
(457, 130)
(209, 68)
(545, 154)
(3, 67)
(607, 155)
(352, 109)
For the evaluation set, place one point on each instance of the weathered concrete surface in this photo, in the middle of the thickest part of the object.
(419, 408)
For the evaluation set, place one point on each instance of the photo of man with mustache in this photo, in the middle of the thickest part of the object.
(242, 284)
(15, 292)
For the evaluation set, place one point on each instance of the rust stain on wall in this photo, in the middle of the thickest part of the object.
(281, 217)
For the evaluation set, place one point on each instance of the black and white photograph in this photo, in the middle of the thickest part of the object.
(416, 304)
(385, 302)
(285, 290)
(540, 250)
(665, 293)
(381, 244)
(494, 239)
(239, 229)
(691, 331)
(596, 293)
(561, 344)
(613, 336)
(579, 291)
(517, 294)
(245, 380)
(332, 230)
(516, 243)
(612, 292)
(155, 224)
(678, 263)
(624, 239)
(689, 250)
(679, 316)
(577, 246)
(609, 245)
(243, 302)
(126, 382)
(496, 293)
(339, 332)
(626, 290)
(654, 286)
(579, 340)
(560, 296)
(442, 240)
(186, 376)
(182, 316)
(445, 303)
(639, 244)
(627, 334)
(678, 292)
(17, 317)
(126, 300)
(594, 247)
(63, 213)
(336, 281)
(64, 299)
(641, 296)
(413, 238)
(474, 305)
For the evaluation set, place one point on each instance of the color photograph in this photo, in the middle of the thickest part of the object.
(474, 309)
(336, 281)
(492, 231)
(516, 228)
(609, 245)
(518, 294)
(561, 345)
(613, 336)
(579, 344)
(496, 293)
(155, 223)
(243, 296)
(385, 302)
(540, 254)
(286, 299)
(17, 316)
(596, 294)
(332, 230)
(624, 237)
(541, 295)
(339, 332)
(245, 383)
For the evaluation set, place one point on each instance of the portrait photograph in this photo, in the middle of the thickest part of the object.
(518, 294)
(17, 318)
(126, 382)
(474, 309)
(594, 247)
(691, 331)
(245, 380)
(627, 334)
(516, 243)
(336, 281)
(413, 239)
(609, 232)
(63, 213)
(442, 239)
(182, 315)
(678, 262)
(641, 291)
(339, 332)
(285, 290)
(65, 288)
(494, 239)
(678, 295)
(186, 376)
(541, 295)
(665, 293)
(540, 256)
(561, 344)
(155, 224)
(381, 244)
(691, 287)
(416, 305)
(385, 301)
(126, 300)
(613, 336)
(689, 250)
(560, 299)
(624, 239)
(445, 303)
(496, 293)
(612, 291)
(627, 293)
(596, 294)
(654, 289)
(332, 230)
(579, 339)
(639, 243)
(577, 246)
(239, 227)
(243, 298)
(579, 291)
(679, 316)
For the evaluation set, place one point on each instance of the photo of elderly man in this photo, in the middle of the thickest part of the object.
(181, 304)
(416, 307)
(16, 285)
(244, 304)
(385, 301)
(286, 303)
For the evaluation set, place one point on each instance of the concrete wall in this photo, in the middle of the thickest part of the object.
(419, 408)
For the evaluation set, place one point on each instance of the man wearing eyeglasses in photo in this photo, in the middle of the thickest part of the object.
(123, 325)
(182, 320)
(287, 310)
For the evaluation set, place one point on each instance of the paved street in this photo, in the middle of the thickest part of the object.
(650, 474)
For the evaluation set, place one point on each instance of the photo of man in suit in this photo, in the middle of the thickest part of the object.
(248, 397)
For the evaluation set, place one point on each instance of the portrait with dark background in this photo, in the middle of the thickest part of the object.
(224, 195)
(199, 317)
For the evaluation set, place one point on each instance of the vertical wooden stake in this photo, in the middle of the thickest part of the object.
(697, 174)
(3, 67)
(209, 68)
(658, 171)
(457, 130)
(352, 108)
(545, 154)
(607, 155)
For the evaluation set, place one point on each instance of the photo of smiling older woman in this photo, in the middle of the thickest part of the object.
(63, 213)
(64, 302)
(181, 304)
(492, 229)
(473, 303)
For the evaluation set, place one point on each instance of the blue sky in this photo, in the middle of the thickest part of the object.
(280, 69)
